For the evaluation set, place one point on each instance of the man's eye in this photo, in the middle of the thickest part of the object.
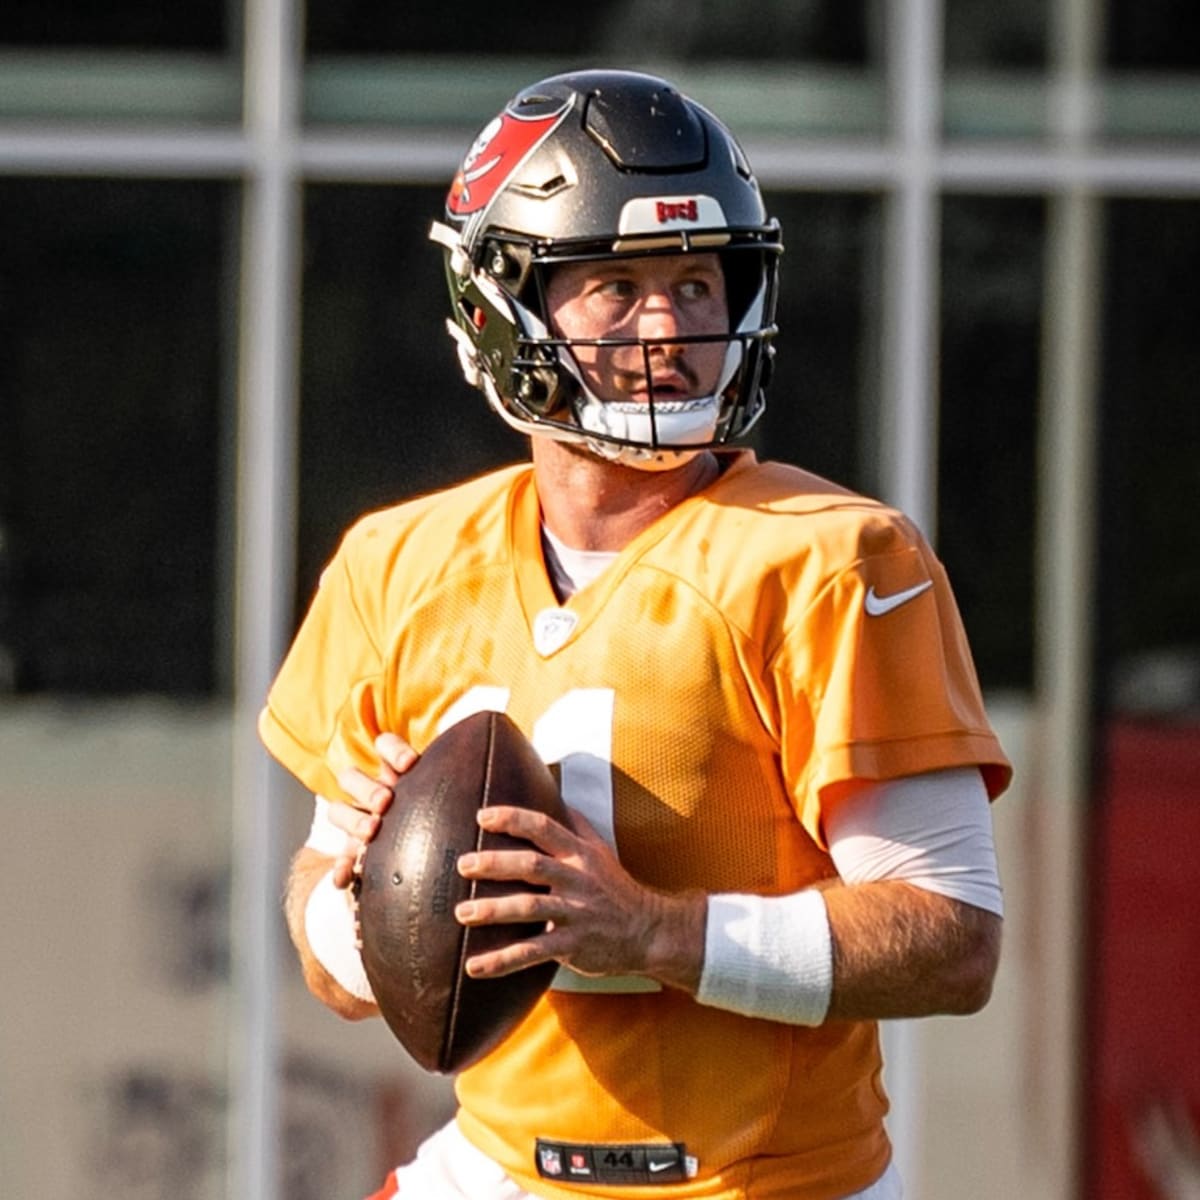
(619, 289)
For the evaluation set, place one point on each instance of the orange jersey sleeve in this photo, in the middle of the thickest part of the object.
(325, 708)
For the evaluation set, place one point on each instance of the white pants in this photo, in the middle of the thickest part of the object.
(448, 1167)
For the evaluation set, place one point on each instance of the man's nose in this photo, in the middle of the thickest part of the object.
(658, 316)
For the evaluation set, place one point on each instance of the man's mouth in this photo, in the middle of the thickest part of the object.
(678, 382)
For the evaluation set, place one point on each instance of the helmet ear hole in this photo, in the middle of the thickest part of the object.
(508, 263)
(538, 390)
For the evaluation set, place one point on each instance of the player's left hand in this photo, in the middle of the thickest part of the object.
(370, 798)
(600, 920)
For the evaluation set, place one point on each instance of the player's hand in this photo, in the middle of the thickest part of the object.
(370, 796)
(600, 920)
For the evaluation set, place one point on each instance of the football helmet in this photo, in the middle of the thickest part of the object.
(600, 165)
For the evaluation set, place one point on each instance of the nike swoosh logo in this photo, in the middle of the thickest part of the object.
(660, 1166)
(876, 606)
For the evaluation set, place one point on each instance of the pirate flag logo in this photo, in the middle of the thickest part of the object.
(501, 147)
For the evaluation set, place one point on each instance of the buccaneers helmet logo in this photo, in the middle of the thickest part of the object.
(502, 146)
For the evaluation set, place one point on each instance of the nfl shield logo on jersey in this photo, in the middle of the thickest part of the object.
(551, 1160)
(551, 628)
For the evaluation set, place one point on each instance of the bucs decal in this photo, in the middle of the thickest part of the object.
(501, 147)
(676, 210)
(657, 214)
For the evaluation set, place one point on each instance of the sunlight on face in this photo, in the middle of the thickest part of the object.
(679, 295)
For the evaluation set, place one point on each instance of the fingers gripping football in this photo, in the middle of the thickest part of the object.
(600, 920)
(370, 799)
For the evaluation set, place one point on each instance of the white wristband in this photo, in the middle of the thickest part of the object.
(769, 957)
(329, 927)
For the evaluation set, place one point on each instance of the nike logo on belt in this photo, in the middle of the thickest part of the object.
(876, 606)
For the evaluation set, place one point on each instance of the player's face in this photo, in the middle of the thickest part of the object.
(656, 299)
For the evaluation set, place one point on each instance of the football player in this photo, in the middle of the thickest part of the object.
(754, 682)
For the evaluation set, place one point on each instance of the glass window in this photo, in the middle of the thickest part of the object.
(135, 24)
(385, 412)
(1150, 552)
(991, 329)
(793, 68)
(979, 33)
(817, 408)
(110, 445)
(995, 57)
(1159, 34)
(648, 30)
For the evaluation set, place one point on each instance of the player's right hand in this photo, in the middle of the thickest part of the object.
(370, 797)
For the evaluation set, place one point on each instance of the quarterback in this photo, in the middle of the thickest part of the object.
(753, 684)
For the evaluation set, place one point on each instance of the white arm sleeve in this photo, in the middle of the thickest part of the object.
(932, 830)
(324, 836)
(328, 919)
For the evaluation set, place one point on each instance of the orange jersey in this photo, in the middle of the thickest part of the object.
(767, 638)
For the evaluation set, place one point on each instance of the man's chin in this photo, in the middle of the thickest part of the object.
(637, 459)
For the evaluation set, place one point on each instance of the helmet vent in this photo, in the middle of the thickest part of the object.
(554, 184)
(644, 126)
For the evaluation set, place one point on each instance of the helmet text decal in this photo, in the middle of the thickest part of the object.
(651, 214)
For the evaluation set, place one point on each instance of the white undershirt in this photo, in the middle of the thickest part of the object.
(572, 570)
(932, 830)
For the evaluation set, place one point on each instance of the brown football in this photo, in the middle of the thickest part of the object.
(413, 949)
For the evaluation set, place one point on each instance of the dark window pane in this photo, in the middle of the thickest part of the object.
(991, 328)
(1150, 550)
(815, 413)
(133, 24)
(981, 33)
(616, 34)
(385, 410)
(1154, 33)
(110, 298)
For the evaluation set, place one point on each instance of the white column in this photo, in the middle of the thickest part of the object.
(908, 419)
(1064, 608)
(908, 427)
(267, 418)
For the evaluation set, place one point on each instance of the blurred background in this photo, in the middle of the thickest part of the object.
(221, 339)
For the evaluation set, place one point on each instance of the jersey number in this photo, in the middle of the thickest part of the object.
(575, 732)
